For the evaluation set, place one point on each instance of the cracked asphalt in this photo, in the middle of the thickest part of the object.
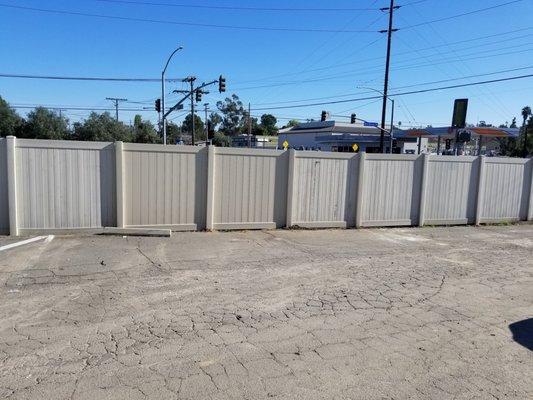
(331, 314)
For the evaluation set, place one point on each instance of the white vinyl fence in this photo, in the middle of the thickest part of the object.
(62, 186)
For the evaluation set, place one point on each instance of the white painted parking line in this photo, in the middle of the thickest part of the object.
(47, 239)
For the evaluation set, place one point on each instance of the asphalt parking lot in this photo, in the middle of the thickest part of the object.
(332, 314)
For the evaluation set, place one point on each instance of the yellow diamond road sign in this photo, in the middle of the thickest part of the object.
(285, 144)
(355, 147)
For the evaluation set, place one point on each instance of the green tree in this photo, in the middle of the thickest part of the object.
(173, 133)
(221, 140)
(144, 131)
(215, 119)
(199, 132)
(268, 122)
(102, 128)
(233, 115)
(292, 123)
(10, 121)
(45, 124)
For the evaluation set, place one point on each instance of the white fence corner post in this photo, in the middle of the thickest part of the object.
(119, 169)
(530, 207)
(290, 187)
(360, 191)
(209, 221)
(11, 154)
(480, 190)
(423, 189)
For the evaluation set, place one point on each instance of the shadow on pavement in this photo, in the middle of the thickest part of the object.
(523, 332)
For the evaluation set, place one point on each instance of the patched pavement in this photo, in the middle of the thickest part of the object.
(332, 314)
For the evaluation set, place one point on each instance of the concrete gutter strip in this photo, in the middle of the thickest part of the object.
(136, 232)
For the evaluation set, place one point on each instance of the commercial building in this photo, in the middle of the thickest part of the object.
(343, 137)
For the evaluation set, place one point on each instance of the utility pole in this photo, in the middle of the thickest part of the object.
(190, 80)
(249, 126)
(391, 125)
(205, 122)
(389, 31)
(116, 100)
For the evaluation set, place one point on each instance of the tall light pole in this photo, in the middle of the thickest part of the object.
(391, 130)
(164, 121)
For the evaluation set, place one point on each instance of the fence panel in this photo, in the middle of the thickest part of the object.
(64, 184)
(250, 189)
(391, 193)
(164, 186)
(506, 189)
(452, 190)
(4, 202)
(325, 186)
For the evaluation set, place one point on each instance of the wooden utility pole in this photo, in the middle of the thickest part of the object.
(389, 31)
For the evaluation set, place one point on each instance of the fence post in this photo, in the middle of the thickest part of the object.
(530, 208)
(290, 187)
(423, 189)
(360, 191)
(119, 181)
(11, 154)
(480, 189)
(209, 223)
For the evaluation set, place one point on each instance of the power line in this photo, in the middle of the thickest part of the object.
(373, 69)
(337, 65)
(86, 78)
(241, 8)
(404, 86)
(75, 108)
(168, 22)
(399, 94)
(461, 15)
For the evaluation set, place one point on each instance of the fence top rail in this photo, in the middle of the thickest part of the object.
(159, 148)
(248, 152)
(508, 160)
(457, 159)
(393, 157)
(325, 154)
(61, 144)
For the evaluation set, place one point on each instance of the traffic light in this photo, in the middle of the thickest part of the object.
(352, 119)
(198, 95)
(158, 105)
(323, 116)
(221, 84)
(448, 144)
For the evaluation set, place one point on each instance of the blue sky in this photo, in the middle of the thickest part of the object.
(274, 68)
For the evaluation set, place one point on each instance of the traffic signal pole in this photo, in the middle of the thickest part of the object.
(389, 31)
(191, 93)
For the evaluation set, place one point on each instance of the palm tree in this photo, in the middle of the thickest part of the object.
(526, 112)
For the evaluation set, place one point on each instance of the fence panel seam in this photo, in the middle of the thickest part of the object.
(211, 176)
(480, 189)
(360, 191)
(423, 189)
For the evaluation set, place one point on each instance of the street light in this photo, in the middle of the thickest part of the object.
(392, 111)
(164, 120)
